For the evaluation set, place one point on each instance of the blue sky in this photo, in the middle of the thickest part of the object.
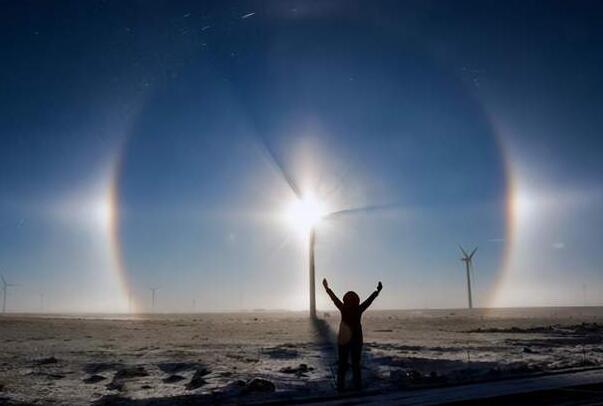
(197, 113)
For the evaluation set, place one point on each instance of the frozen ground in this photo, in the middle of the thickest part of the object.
(258, 356)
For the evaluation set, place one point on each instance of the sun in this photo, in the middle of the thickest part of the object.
(305, 213)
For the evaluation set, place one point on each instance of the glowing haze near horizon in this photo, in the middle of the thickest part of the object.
(159, 144)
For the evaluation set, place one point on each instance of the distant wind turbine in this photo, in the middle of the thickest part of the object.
(153, 290)
(5, 286)
(468, 260)
(130, 300)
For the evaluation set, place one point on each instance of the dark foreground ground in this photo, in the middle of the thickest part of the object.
(283, 357)
(577, 387)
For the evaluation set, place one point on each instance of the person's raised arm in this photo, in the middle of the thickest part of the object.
(332, 295)
(365, 305)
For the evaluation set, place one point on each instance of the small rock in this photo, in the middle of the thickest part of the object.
(47, 361)
(234, 388)
(281, 353)
(115, 385)
(173, 367)
(197, 380)
(260, 385)
(96, 367)
(301, 370)
(131, 372)
(288, 370)
(94, 379)
(173, 379)
(146, 387)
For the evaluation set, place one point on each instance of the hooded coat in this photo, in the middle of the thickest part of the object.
(350, 328)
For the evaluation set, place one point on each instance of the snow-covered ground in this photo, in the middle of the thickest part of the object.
(256, 356)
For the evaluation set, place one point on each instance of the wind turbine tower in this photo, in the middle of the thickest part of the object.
(153, 290)
(468, 260)
(130, 300)
(5, 286)
(312, 277)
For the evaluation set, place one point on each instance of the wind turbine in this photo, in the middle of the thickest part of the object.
(468, 260)
(5, 286)
(153, 290)
(307, 213)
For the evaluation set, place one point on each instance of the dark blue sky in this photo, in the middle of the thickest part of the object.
(446, 112)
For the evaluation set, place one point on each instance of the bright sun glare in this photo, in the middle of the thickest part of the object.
(305, 213)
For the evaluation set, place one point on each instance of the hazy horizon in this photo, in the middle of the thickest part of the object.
(456, 311)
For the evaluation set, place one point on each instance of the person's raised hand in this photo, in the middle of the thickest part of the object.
(325, 283)
(379, 286)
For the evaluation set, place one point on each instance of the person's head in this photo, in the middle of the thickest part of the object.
(351, 299)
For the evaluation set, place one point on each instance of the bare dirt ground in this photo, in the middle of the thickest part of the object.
(253, 357)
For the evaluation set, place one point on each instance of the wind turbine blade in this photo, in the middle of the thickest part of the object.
(472, 252)
(463, 251)
(362, 209)
(3, 280)
(280, 168)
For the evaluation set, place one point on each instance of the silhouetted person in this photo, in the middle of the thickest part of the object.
(349, 339)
